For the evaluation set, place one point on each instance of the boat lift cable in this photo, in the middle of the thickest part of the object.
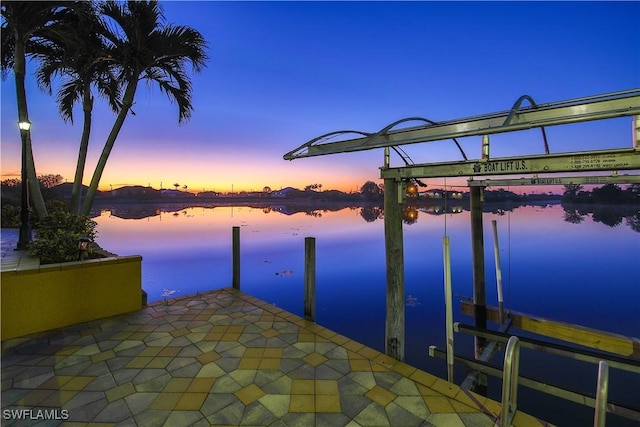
(509, 262)
(445, 206)
(407, 162)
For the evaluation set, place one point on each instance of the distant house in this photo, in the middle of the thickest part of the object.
(175, 193)
(285, 192)
(433, 194)
(134, 191)
(209, 194)
(64, 190)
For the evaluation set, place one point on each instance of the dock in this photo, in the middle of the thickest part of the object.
(225, 358)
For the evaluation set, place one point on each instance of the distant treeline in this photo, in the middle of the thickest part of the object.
(607, 194)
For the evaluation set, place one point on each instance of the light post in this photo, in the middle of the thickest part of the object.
(25, 230)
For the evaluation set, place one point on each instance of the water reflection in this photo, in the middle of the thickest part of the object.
(610, 215)
(371, 213)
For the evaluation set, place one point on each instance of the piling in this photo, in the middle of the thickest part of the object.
(235, 237)
(395, 322)
(310, 278)
(479, 290)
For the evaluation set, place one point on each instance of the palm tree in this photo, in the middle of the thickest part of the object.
(24, 26)
(79, 57)
(145, 49)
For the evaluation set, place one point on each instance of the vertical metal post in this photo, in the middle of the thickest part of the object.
(310, 278)
(485, 147)
(599, 420)
(479, 286)
(24, 234)
(636, 132)
(236, 257)
(510, 381)
(448, 306)
(496, 253)
(395, 326)
(386, 158)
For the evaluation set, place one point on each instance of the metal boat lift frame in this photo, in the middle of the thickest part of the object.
(599, 107)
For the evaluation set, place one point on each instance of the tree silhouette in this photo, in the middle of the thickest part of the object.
(571, 191)
(27, 26)
(144, 48)
(78, 56)
(371, 191)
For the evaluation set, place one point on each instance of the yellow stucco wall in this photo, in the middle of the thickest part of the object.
(56, 295)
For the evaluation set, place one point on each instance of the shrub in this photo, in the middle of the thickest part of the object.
(10, 216)
(57, 237)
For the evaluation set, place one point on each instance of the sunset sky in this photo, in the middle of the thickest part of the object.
(282, 73)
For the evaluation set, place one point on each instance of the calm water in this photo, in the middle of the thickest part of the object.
(583, 272)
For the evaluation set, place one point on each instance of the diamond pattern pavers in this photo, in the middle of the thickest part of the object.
(226, 358)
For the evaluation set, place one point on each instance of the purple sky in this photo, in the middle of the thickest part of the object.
(282, 73)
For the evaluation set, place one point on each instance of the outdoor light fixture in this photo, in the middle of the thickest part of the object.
(83, 247)
(24, 125)
(412, 190)
(24, 236)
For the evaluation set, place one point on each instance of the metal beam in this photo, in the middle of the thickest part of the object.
(591, 161)
(618, 362)
(572, 396)
(561, 180)
(606, 106)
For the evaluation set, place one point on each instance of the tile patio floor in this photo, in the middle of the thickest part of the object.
(225, 358)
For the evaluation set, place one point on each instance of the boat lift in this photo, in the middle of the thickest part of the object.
(599, 107)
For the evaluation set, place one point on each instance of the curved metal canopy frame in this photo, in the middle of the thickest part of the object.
(390, 126)
(514, 111)
(597, 107)
(323, 138)
(403, 155)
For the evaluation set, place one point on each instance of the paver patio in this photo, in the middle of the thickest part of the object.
(225, 358)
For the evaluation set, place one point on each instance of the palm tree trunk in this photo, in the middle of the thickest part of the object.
(127, 102)
(76, 192)
(23, 115)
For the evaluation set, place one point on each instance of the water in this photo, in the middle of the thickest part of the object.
(583, 271)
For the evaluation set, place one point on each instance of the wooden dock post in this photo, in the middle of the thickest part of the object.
(477, 242)
(395, 321)
(310, 278)
(235, 250)
(479, 285)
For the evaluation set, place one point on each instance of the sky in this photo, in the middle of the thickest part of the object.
(282, 73)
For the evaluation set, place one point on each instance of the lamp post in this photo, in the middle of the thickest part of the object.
(25, 230)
